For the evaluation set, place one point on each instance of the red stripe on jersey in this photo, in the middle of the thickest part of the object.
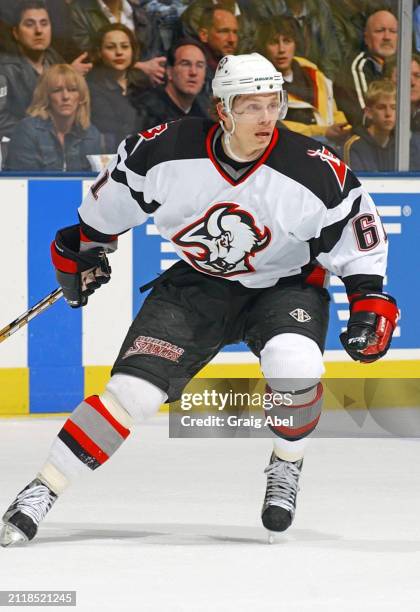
(62, 263)
(316, 277)
(96, 403)
(85, 442)
(379, 307)
(229, 179)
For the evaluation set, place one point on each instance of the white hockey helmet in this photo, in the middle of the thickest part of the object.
(247, 74)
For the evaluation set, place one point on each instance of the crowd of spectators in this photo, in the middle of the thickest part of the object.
(77, 76)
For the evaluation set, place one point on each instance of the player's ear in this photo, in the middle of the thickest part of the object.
(220, 109)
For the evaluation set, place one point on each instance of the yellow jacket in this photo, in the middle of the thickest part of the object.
(325, 109)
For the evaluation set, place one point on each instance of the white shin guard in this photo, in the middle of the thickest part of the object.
(140, 398)
(291, 361)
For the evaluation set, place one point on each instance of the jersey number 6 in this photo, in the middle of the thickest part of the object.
(366, 232)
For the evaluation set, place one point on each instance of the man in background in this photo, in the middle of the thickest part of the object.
(20, 71)
(218, 32)
(381, 40)
(372, 149)
(186, 72)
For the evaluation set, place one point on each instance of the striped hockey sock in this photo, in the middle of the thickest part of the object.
(93, 432)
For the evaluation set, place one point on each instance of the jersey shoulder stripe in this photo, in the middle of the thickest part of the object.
(316, 167)
(331, 234)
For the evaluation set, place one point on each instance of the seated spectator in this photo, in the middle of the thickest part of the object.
(109, 81)
(312, 110)
(179, 98)
(90, 16)
(57, 135)
(372, 149)
(350, 18)
(244, 11)
(218, 31)
(20, 71)
(381, 39)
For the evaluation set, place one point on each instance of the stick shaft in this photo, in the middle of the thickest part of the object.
(31, 313)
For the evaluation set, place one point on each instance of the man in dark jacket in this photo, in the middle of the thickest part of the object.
(381, 40)
(218, 32)
(179, 98)
(19, 71)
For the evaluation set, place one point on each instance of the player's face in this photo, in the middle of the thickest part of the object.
(381, 34)
(189, 71)
(222, 36)
(280, 50)
(116, 51)
(415, 82)
(64, 99)
(255, 119)
(382, 114)
(34, 30)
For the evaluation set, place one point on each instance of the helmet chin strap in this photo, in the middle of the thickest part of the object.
(227, 135)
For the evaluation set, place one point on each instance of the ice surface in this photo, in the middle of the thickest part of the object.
(173, 525)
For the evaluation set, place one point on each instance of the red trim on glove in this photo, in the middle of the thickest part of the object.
(62, 263)
(378, 306)
(84, 238)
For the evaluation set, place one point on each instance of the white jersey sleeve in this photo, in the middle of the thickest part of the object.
(363, 246)
(341, 224)
(116, 201)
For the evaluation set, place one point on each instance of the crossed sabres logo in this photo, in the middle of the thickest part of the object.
(223, 241)
(337, 166)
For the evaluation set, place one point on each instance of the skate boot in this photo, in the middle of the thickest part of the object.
(22, 518)
(280, 498)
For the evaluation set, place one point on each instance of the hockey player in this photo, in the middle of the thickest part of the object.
(257, 217)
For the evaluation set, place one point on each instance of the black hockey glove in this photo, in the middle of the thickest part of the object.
(79, 274)
(373, 317)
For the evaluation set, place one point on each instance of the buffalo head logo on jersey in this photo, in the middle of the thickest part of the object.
(223, 241)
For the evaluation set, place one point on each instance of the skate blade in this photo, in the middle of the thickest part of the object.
(11, 536)
(272, 537)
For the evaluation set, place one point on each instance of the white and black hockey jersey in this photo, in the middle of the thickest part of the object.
(295, 205)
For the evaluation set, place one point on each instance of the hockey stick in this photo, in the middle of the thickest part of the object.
(33, 312)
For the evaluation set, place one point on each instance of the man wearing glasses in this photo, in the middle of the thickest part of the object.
(186, 73)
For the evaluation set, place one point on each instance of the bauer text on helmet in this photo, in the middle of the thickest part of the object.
(247, 74)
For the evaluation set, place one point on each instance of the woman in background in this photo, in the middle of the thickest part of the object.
(57, 134)
(112, 75)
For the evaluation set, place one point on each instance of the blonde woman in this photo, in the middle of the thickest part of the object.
(57, 134)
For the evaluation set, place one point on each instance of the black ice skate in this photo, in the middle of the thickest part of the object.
(22, 518)
(279, 505)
